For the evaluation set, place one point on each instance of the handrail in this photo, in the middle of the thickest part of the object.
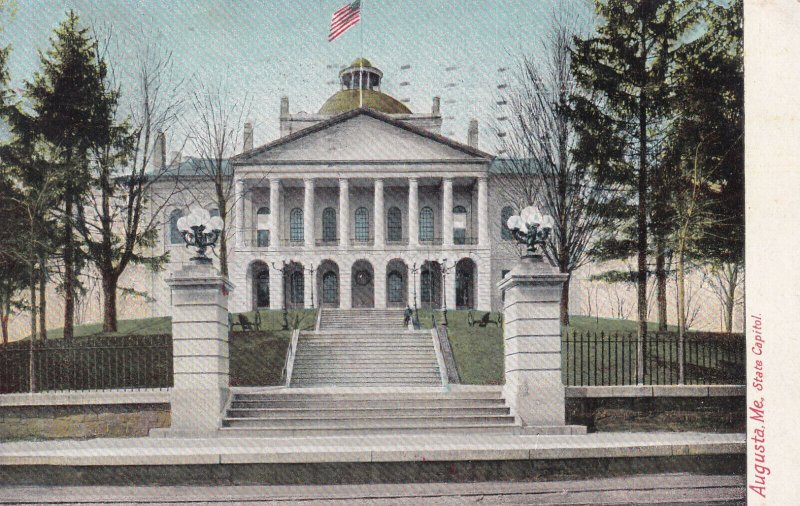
(439, 357)
(319, 319)
(290, 354)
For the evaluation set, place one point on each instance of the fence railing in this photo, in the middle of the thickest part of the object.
(591, 358)
(87, 363)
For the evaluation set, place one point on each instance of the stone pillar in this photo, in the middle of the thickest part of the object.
(240, 225)
(380, 284)
(380, 222)
(450, 287)
(413, 211)
(199, 348)
(447, 211)
(274, 215)
(345, 285)
(344, 216)
(483, 211)
(483, 283)
(308, 212)
(532, 330)
(275, 289)
(308, 287)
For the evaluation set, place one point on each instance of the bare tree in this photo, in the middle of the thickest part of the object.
(726, 280)
(539, 168)
(215, 133)
(123, 219)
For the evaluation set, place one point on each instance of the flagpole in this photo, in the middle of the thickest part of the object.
(361, 60)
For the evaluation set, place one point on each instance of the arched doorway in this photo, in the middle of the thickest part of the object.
(294, 285)
(430, 296)
(328, 284)
(259, 282)
(363, 285)
(396, 284)
(465, 284)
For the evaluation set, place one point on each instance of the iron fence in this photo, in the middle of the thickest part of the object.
(591, 358)
(88, 363)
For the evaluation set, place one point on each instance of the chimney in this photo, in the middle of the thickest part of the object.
(175, 158)
(284, 106)
(248, 136)
(160, 151)
(472, 134)
(435, 108)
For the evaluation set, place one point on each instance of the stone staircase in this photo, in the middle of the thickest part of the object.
(365, 358)
(350, 319)
(327, 412)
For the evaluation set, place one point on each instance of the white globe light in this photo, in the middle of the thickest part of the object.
(202, 214)
(547, 222)
(192, 220)
(531, 216)
(182, 226)
(216, 223)
(514, 223)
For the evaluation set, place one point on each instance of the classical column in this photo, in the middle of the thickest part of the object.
(447, 211)
(308, 212)
(380, 222)
(483, 211)
(450, 280)
(344, 214)
(239, 196)
(308, 287)
(275, 289)
(413, 211)
(199, 349)
(532, 331)
(274, 213)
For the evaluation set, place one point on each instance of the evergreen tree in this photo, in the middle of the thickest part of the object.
(67, 101)
(626, 86)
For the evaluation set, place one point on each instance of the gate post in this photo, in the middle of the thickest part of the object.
(199, 348)
(532, 337)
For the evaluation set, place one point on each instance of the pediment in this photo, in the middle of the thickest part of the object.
(357, 136)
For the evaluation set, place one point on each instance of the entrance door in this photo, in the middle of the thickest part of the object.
(363, 285)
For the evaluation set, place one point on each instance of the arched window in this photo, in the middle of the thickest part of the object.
(262, 289)
(175, 236)
(459, 225)
(394, 224)
(296, 225)
(329, 224)
(330, 287)
(362, 224)
(262, 226)
(426, 285)
(395, 286)
(426, 224)
(297, 287)
(505, 214)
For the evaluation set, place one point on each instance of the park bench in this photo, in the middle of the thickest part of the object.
(485, 320)
(244, 322)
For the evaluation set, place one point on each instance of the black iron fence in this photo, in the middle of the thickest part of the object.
(592, 358)
(87, 363)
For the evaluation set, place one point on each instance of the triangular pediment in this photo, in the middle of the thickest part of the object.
(361, 135)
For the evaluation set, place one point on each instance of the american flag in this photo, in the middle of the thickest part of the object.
(344, 18)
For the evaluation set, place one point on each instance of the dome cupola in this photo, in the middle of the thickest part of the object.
(361, 83)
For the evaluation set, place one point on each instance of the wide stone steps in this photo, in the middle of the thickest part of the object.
(333, 319)
(325, 412)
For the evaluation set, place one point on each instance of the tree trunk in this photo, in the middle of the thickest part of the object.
(42, 303)
(681, 317)
(4, 327)
(109, 303)
(69, 272)
(32, 283)
(565, 302)
(661, 286)
(223, 254)
(730, 296)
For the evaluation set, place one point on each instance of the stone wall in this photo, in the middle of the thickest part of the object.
(82, 415)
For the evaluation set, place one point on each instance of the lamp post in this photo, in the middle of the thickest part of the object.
(282, 270)
(201, 231)
(532, 229)
(313, 283)
(414, 282)
(445, 268)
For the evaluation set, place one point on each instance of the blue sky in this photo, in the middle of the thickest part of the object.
(269, 48)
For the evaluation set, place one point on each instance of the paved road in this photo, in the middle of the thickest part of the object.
(649, 489)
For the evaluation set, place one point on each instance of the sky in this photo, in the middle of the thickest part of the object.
(268, 49)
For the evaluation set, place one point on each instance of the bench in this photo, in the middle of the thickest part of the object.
(244, 322)
(485, 320)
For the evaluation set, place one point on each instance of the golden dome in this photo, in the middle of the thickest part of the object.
(347, 100)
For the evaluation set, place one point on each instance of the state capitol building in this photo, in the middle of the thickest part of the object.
(362, 205)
